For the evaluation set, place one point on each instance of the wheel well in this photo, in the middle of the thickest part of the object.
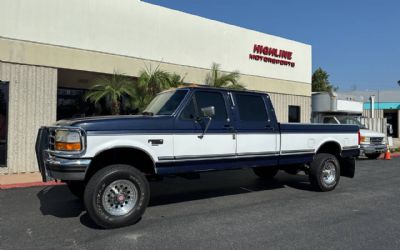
(330, 148)
(130, 156)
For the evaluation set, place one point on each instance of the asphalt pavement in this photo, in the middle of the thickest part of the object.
(222, 210)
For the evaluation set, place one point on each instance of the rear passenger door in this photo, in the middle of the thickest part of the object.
(218, 142)
(256, 135)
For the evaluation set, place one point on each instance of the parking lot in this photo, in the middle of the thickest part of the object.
(231, 209)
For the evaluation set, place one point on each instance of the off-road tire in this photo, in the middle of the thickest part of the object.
(100, 182)
(318, 172)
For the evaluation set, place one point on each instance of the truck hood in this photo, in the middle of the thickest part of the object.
(123, 123)
(370, 133)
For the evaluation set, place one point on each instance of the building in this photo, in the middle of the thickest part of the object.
(381, 104)
(51, 50)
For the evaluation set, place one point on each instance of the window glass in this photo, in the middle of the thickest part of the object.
(330, 120)
(251, 108)
(207, 99)
(189, 113)
(3, 122)
(166, 103)
(294, 113)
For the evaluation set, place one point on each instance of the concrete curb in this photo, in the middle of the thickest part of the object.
(30, 184)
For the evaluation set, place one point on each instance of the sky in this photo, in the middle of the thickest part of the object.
(356, 41)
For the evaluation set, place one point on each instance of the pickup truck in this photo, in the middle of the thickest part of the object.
(372, 143)
(109, 161)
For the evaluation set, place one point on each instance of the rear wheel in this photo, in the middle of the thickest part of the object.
(117, 196)
(324, 172)
(373, 156)
(77, 188)
(267, 173)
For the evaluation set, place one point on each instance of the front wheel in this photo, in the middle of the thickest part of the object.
(324, 172)
(117, 196)
(373, 156)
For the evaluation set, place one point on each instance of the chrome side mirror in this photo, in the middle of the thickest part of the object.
(209, 113)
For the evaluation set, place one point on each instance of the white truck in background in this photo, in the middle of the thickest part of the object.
(327, 108)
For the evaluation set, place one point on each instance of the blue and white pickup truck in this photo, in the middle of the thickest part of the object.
(108, 161)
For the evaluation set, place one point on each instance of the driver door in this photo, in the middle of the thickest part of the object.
(218, 142)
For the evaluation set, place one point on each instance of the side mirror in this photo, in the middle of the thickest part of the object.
(208, 111)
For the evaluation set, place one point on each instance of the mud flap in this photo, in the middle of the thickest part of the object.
(347, 167)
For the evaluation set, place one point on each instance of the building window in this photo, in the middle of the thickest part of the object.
(3, 122)
(294, 113)
(72, 104)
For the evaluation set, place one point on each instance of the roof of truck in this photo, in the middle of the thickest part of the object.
(205, 87)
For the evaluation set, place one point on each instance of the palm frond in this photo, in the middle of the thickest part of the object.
(216, 78)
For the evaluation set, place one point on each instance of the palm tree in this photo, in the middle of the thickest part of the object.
(111, 88)
(151, 82)
(176, 80)
(155, 80)
(218, 79)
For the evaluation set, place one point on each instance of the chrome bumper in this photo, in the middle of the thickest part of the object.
(371, 148)
(53, 166)
(66, 169)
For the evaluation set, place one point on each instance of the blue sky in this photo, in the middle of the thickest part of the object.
(356, 41)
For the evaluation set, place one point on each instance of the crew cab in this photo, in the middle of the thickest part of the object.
(372, 143)
(108, 161)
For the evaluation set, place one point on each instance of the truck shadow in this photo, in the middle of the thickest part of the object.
(59, 202)
(219, 184)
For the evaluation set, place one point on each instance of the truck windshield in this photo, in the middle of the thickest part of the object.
(165, 103)
(350, 121)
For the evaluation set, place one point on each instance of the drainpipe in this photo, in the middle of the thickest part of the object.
(372, 103)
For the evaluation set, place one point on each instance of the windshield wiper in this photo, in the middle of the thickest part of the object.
(147, 113)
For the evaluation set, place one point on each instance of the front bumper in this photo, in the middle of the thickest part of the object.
(56, 166)
(66, 169)
(371, 148)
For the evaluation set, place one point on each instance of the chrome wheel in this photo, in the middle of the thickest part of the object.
(120, 197)
(329, 173)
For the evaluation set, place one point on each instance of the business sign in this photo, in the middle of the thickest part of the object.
(272, 55)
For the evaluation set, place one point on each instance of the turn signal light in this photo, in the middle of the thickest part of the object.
(65, 146)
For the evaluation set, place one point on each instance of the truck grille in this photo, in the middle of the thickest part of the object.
(376, 140)
(52, 138)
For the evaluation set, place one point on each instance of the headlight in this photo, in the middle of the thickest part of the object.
(67, 140)
(365, 139)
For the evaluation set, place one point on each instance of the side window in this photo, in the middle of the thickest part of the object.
(189, 112)
(206, 99)
(294, 113)
(330, 120)
(251, 108)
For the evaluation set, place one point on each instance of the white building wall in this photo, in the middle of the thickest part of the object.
(32, 103)
(137, 29)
